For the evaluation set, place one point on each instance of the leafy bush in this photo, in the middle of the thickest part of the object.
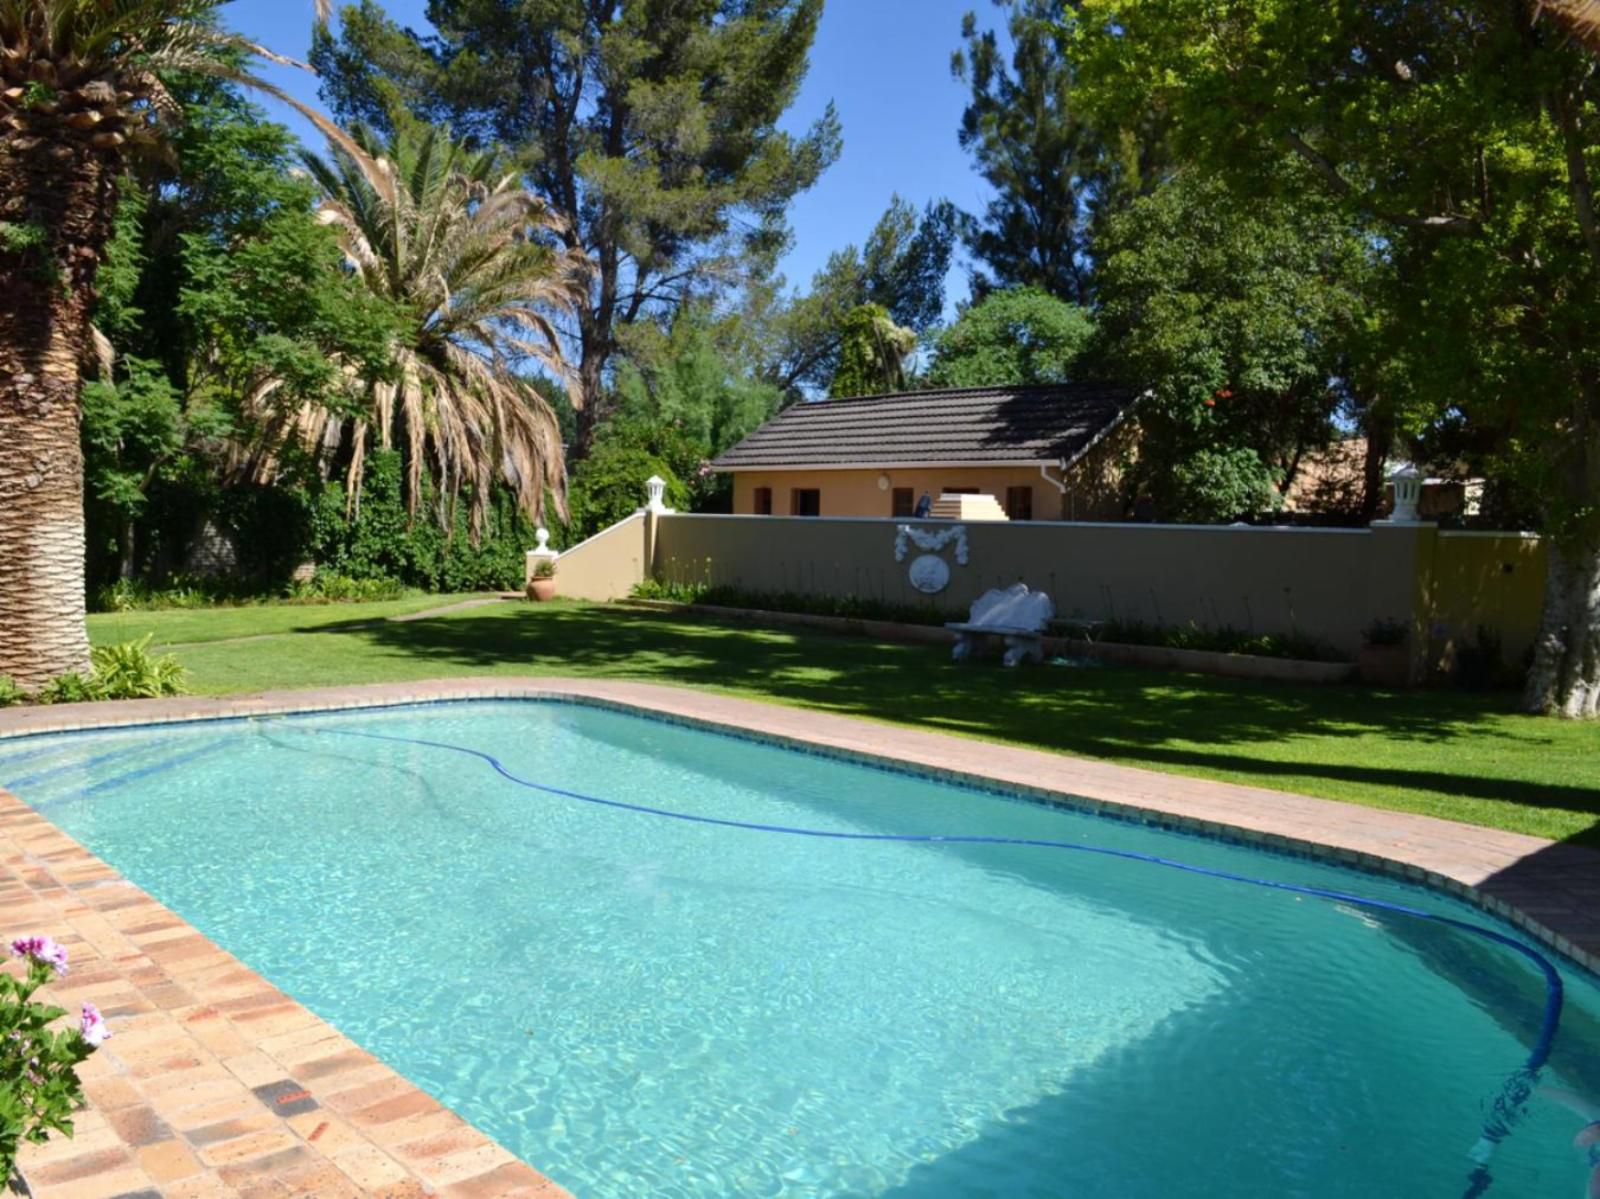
(608, 486)
(125, 671)
(327, 588)
(10, 693)
(39, 1088)
(130, 671)
(844, 607)
(1222, 640)
(180, 591)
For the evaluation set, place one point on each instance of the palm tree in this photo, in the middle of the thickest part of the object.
(80, 82)
(451, 239)
(1578, 18)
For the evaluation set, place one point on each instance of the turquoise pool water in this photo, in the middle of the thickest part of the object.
(644, 1007)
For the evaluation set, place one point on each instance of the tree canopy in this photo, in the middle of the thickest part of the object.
(1463, 137)
(650, 129)
(1017, 336)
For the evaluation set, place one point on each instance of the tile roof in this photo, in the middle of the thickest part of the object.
(961, 425)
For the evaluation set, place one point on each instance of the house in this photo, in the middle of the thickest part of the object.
(1044, 453)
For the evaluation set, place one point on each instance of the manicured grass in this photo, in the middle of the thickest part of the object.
(1462, 756)
(178, 626)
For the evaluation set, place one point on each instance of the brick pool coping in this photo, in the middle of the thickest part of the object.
(218, 1084)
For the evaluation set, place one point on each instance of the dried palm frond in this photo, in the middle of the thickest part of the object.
(451, 238)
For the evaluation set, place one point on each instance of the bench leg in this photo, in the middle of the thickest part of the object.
(962, 649)
(1018, 648)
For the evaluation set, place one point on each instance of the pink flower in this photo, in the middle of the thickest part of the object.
(42, 949)
(93, 1026)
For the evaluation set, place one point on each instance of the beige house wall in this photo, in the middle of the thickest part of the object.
(856, 492)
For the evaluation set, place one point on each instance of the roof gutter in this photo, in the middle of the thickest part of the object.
(990, 464)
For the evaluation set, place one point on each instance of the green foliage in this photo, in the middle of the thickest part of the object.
(872, 353)
(653, 128)
(1018, 336)
(609, 484)
(690, 378)
(127, 670)
(544, 568)
(901, 268)
(1235, 315)
(325, 587)
(10, 693)
(130, 671)
(1222, 640)
(844, 607)
(219, 287)
(39, 1088)
(379, 539)
(1048, 168)
(22, 237)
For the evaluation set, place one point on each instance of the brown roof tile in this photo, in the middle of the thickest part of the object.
(975, 424)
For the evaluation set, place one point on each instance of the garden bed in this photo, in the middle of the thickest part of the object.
(1150, 657)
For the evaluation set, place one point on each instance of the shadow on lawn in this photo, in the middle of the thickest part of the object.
(1092, 712)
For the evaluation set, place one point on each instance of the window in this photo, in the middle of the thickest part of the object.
(905, 502)
(958, 491)
(805, 501)
(1019, 503)
(762, 501)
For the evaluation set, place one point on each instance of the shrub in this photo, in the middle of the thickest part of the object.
(125, 671)
(10, 693)
(130, 671)
(325, 587)
(1222, 640)
(39, 1087)
(844, 607)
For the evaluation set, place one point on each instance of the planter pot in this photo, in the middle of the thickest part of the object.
(541, 589)
(1385, 665)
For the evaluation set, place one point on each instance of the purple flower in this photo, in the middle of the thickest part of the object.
(93, 1026)
(44, 950)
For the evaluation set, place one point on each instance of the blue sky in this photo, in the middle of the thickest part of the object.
(885, 64)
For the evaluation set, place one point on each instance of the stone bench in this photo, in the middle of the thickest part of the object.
(1015, 614)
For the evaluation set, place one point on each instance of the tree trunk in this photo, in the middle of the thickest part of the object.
(55, 208)
(1565, 677)
(125, 561)
(1379, 435)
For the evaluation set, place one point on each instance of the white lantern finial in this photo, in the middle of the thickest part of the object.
(1406, 480)
(655, 487)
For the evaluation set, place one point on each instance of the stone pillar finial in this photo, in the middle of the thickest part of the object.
(655, 488)
(1406, 480)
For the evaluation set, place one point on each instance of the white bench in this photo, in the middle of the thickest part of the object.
(1015, 614)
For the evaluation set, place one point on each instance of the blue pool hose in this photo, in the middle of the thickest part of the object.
(1504, 1111)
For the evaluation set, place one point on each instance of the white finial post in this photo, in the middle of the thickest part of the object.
(655, 487)
(1407, 482)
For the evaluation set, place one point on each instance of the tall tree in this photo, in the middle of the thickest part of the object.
(901, 268)
(649, 126)
(1466, 135)
(1028, 141)
(1019, 336)
(1235, 315)
(451, 239)
(78, 83)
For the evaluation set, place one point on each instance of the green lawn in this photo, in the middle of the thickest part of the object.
(1467, 757)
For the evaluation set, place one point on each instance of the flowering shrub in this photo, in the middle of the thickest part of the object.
(39, 1087)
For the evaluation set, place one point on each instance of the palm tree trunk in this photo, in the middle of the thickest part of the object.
(55, 206)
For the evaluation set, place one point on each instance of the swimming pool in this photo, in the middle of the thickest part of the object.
(640, 1005)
